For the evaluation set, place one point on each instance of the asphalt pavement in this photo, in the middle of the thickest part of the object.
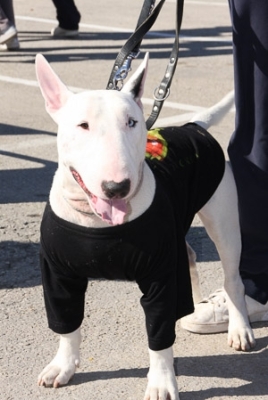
(114, 359)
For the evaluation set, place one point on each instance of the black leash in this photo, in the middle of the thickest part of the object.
(130, 51)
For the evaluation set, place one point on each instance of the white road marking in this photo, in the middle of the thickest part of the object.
(168, 104)
(163, 121)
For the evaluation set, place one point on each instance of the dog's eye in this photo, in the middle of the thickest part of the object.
(84, 125)
(132, 123)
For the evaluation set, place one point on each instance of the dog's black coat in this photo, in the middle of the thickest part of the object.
(150, 250)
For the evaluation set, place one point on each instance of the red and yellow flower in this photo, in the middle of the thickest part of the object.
(156, 146)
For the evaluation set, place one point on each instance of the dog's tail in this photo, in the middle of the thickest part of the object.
(214, 114)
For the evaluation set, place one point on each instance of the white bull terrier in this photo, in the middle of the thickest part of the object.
(121, 203)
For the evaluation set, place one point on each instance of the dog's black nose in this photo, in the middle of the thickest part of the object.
(116, 190)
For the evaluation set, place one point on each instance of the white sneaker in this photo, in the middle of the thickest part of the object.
(211, 314)
(8, 34)
(11, 44)
(59, 32)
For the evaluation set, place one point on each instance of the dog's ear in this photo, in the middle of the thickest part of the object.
(135, 85)
(53, 90)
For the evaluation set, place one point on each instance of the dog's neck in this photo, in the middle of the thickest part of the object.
(72, 205)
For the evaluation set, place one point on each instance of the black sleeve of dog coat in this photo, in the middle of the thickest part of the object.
(167, 296)
(64, 295)
(159, 305)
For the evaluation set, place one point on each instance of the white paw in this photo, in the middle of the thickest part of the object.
(58, 372)
(63, 365)
(162, 384)
(162, 389)
(241, 338)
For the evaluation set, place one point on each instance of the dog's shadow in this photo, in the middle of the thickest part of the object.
(249, 369)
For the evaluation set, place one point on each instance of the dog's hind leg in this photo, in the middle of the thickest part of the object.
(60, 370)
(220, 217)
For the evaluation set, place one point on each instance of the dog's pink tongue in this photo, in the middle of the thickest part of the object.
(111, 211)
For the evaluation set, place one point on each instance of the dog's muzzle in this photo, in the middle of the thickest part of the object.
(113, 209)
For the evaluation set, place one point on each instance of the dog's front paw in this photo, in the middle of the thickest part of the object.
(162, 383)
(162, 389)
(58, 372)
(63, 365)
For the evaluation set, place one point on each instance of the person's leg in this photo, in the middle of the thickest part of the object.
(8, 32)
(7, 6)
(4, 23)
(248, 152)
(67, 14)
(248, 149)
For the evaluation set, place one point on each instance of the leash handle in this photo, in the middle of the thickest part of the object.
(121, 74)
(146, 11)
(130, 50)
